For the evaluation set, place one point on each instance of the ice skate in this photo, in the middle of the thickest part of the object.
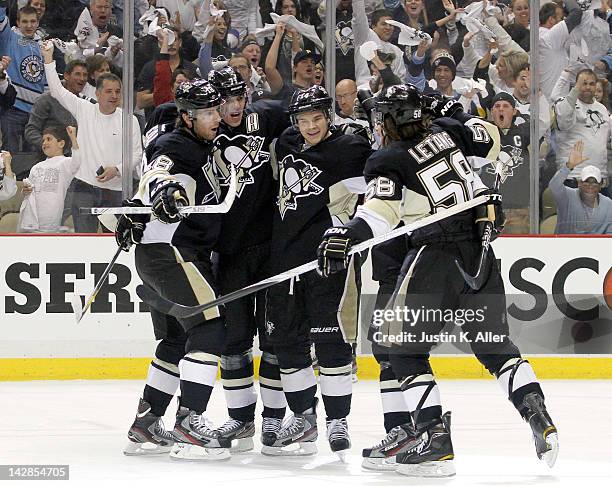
(196, 440)
(239, 433)
(297, 436)
(338, 437)
(270, 427)
(544, 432)
(147, 435)
(430, 453)
(381, 457)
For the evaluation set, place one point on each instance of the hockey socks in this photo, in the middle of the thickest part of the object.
(336, 390)
(300, 386)
(238, 387)
(422, 397)
(395, 409)
(162, 383)
(198, 371)
(271, 387)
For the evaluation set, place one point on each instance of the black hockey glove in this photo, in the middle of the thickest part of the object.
(441, 106)
(167, 198)
(333, 252)
(130, 227)
(490, 212)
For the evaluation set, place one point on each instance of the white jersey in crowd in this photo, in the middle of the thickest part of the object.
(362, 33)
(552, 56)
(42, 209)
(8, 187)
(186, 9)
(587, 122)
(99, 136)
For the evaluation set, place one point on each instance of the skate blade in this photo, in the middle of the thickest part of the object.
(296, 449)
(433, 469)
(242, 445)
(192, 452)
(145, 449)
(379, 463)
(550, 456)
(342, 455)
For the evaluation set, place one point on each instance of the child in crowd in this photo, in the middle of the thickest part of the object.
(8, 185)
(45, 189)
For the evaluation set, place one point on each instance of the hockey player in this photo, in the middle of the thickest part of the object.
(430, 160)
(174, 259)
(244, 251)
(320, 173)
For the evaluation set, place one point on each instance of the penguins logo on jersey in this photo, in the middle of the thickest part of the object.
(511, 158)
(344, 37)
(297, 180)
(31, 68)
(244, 152)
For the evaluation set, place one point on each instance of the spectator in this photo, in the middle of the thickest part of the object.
(97, 65)
(8, 94)
(48, 111)
(445, 69)
(519, 27)
(380, 33)
(251, 51)
(346, 94)
(514, 140)
(98, 179)
(553, 34)
(165, 89)
(146, 47)
(244, 15)
(48, 182)
(304, 64)
(601, 92)
(344, 39)
(26, 73)
(183, 12)
(60, 17)
(579, 117)
(169, 59)
(582, 209)
(93, 38)
(8, 182)
(257, 87)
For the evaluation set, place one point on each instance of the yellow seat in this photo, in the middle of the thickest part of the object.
(8, 223)
(548, 225)
(549, 205)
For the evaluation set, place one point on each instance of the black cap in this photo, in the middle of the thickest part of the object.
(503, 96)
(305, 54)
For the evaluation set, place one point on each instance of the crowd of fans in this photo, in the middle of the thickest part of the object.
(475, 51)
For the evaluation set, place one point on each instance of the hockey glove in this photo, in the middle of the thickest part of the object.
(167, 198)
(130, 227)
(441, 106)
(490, 212)
(333, 252)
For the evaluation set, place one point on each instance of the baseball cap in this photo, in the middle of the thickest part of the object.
(305, 54)
(590, 171)
(503, 96)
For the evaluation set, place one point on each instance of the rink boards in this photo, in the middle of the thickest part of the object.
(544, 278)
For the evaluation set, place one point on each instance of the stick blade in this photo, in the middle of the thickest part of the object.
(77, 307)
(475, 282)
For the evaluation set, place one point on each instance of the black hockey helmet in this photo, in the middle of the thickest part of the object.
(196, 95)
(403, 103)
(311, 99)
(228, 82)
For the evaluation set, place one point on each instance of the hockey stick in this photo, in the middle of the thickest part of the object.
(80, 309)
(220, 208)
(168, 307)
(477, 281)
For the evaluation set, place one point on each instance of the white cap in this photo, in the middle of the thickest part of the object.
(590, 171)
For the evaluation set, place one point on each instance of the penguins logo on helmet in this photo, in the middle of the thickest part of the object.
(244, 153)
(297, 180)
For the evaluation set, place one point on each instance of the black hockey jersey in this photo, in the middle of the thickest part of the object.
(317, 188)
(514, 153)
(436, 167)
(179, 155)
(249, 222)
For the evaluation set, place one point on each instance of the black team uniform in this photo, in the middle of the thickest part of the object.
(318, 186)
(432, 161)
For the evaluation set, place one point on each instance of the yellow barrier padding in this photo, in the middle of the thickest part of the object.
(464, 367)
